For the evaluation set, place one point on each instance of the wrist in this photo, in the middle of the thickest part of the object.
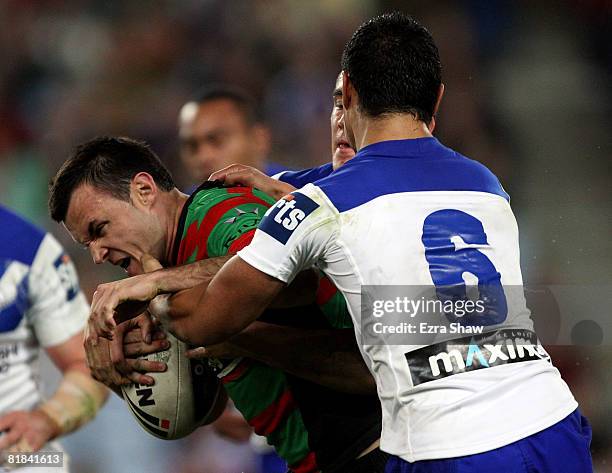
(54, 428)
(159, 280)
(282, 190)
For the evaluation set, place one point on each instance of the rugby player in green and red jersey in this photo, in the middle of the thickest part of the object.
(116, 198)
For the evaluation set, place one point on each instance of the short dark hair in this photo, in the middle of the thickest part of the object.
(241, 99)
(394, 65)
(109, 164)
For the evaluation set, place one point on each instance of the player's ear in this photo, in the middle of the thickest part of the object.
(432, 124)
(348, 91)
(143, 189)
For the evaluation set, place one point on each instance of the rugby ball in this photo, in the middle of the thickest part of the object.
(184, 397)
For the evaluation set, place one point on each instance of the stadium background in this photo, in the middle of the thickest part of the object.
(527, 93)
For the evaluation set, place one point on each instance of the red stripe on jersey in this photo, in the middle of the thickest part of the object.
(237, 372)
(198, 236)
(326, 290)
(239, 190)
(268, 421)
(307, 465)
(240, 242)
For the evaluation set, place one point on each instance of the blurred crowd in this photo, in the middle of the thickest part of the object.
(527, 93)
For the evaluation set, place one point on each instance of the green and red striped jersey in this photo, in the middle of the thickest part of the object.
(291, 413)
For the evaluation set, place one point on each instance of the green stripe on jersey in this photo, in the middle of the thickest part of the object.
(259, 387)
(233, 224)
(291, 439)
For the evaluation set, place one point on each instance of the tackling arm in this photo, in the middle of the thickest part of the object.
(223, 309)
(329, 357)
(118, 301)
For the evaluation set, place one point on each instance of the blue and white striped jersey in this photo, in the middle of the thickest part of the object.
(41, 305)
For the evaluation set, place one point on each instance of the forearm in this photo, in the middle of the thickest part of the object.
(235, 297)
(329, 357)
(191, 281)
(76, 401)
(189, 275)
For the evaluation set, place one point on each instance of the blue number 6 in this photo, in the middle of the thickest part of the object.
(447, 263)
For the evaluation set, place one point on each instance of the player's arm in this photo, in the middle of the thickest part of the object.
(236, 296)
(78, 397)
(240, 174)
(75, 402)
(329, 357)
(119, 301)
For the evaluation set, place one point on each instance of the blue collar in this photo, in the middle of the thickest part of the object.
(401, 148)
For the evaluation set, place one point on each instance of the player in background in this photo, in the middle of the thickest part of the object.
(219, 127)
(341, 152)
(313, 427)
(408, 211)
(41, 308)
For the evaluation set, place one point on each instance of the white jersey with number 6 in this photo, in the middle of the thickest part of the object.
(415, 213)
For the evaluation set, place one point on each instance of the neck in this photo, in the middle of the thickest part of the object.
(390, 127)
(176, 202)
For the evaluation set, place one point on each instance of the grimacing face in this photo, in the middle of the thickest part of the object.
(214, 135)
(113, 230)
(340, 147)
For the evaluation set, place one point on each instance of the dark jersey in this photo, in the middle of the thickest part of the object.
(312, 427)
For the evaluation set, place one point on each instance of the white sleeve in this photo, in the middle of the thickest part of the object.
(58, 309)
(293, 235)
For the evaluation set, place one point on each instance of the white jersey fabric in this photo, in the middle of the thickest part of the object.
(415, 213)
(41, 305)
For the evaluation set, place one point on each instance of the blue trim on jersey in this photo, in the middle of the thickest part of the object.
(61, 264)
(287, 214)
(19, 239)
(274, 168)
(299, 179)
(11, 314)
(391, 167)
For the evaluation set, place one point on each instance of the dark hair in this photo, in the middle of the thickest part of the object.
(394, 65)
(109, 164)
(241, 99)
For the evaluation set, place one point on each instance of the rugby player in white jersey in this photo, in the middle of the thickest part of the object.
(41, 308)
(406, 211)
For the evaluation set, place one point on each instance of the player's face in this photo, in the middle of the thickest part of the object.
(113, 230)
(214, 135)
(340, 147)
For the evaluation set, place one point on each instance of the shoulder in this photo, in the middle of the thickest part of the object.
(306, 176)
(368, 176)
(19, 239)
(213, 197)
(217, 217)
